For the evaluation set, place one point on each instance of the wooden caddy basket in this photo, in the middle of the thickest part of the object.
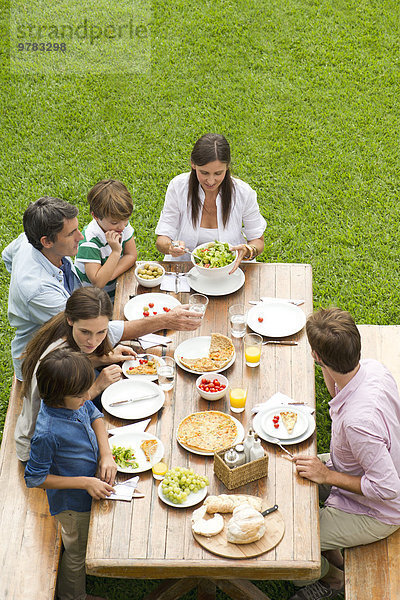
(237, 476)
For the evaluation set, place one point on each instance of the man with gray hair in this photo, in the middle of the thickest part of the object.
(43, 277)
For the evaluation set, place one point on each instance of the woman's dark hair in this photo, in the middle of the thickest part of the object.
(210, 147)
(46, 217)
(63, 373)
(84, 303)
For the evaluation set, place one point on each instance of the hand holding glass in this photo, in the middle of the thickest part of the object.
(198, 303)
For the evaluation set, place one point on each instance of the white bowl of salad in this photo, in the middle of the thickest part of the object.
(213, 259)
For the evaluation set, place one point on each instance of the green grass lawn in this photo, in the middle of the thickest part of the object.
(305, 91)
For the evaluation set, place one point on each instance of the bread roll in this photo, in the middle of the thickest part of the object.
(206, 527)
(226, 503)
(245, 526)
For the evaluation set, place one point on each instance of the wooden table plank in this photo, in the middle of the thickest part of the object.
(155, 540)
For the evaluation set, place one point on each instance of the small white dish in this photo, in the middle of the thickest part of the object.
(191, 500)
(149, 283)
(135, 362)
(133, 440)
(210, 396)
(133, 309)
(278, 319)
(281, 432)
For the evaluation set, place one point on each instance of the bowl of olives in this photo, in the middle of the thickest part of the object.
(149, 274)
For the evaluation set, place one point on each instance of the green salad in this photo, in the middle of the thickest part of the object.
(215, 255)
(124, 457)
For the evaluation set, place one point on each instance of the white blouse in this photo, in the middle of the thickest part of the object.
(245, 221)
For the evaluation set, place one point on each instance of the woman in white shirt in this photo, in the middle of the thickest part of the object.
(208, 204)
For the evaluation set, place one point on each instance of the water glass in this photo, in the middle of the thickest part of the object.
(198, 303)
(238, 320)
(237, 397)
(166, 372)
(252, 349)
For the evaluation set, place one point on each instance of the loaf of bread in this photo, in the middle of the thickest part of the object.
(245, 526)
(226, 503)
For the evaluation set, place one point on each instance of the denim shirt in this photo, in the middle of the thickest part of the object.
(36, 292)
(65, 444)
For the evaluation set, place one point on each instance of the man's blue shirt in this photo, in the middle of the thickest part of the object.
(36, 293)
(65, 444)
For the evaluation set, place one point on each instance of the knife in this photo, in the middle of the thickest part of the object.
(121, 402)
(281, 342)
(295, 302)
(269, 510)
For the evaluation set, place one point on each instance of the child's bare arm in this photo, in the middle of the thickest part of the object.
(100, 275)
(107, 465)
(127, 260)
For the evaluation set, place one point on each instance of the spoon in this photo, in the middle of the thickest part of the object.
(276, 441)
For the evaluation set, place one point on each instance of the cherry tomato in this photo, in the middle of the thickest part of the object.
(146, 313)
(154, 312)
(260, 319)
(276, 425)
(216, 382)
(151, 304)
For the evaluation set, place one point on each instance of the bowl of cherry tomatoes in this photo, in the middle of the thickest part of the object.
(212, 386)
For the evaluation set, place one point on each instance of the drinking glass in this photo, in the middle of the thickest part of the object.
(166, 373)
(238, 320)
(198, 303)
(252, 349)
(237, 397)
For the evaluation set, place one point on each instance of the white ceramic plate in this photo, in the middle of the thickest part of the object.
(257, 426)
(133, 440)
(280, 319)
(197, 347)
(238, 439)
(191, 500)
(131, 388)
(135, 363)
(281, 431)
(216, 287)
(133, 309)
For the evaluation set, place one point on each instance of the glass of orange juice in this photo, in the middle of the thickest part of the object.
(237, 397)
(252, 349)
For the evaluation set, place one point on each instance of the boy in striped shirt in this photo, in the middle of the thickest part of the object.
(108, 248)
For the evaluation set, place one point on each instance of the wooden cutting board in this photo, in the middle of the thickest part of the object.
(218, 544)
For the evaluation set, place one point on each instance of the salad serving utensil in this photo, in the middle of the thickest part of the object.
(128, 400)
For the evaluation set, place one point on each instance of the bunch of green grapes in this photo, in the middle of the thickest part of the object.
(179, 482)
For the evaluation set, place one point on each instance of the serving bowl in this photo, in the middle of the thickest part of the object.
(148, 283)
(210, 377)
(212, 272)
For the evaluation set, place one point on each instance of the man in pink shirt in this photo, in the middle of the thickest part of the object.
(360, 481)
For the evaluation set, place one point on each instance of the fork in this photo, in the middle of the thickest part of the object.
(276, 441)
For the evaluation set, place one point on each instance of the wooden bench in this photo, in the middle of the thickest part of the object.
(30, 539)
(372, 572)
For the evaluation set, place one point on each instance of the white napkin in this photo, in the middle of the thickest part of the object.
(290, 300)
(139, 426)
(152, 339)
(124, 491)
(279, 399)
(169, 280)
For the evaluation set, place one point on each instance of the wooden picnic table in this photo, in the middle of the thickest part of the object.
(148, 539)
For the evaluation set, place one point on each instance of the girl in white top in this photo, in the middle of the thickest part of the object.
(208, 204)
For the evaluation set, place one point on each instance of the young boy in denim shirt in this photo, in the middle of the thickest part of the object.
(108, 248)
(68, 447)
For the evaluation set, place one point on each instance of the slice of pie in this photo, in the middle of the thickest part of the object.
(149, 448)
(220, 353)
(289, 419)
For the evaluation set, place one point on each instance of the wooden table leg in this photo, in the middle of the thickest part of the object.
(240, 589)
(172, 589)
(206, 590)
